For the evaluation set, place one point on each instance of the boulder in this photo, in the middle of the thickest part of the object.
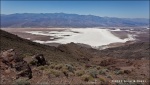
(38, 60)
(8, 57)
(23, 69)
(127, 71)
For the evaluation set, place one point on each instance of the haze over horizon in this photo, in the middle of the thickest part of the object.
(120, 9)
(76, 14)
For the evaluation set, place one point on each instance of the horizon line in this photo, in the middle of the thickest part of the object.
(78, 14)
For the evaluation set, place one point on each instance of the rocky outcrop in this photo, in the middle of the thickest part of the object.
(11, 60)
(8, 57)
(22, 68)
(127, 71)
(38, 60)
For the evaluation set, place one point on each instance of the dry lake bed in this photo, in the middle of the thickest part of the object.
(93, 37)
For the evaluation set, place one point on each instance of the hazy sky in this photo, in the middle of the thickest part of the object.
(123, 9)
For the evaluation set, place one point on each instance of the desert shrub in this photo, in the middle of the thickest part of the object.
(70, 68)
(26, 55)
(87, 66)
(43, 67)
(102, 79)
(86, 78)
(65, 72)
(98, 67)
(71, 74)
(80, 72)
(103, 71)
(59, 66)
(33, 62)
(118, 72)
(21, 82)
(43, 83)
(93, 73)
(55, 72)
(52, 66)
(109, 77)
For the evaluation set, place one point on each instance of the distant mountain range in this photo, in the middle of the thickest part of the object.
(67, 20)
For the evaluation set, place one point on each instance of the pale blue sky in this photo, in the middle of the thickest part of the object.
(122, 9)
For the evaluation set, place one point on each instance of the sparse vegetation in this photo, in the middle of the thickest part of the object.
(52, 66)
(80, 72)
(33, 62)
(118, 72)
(98, 67)
(109, 77)
(54, 72)
(43, 67)
(65, 72)
(102, 79)
(43, 83)
(93, 73)
(21, 82)
(102, 71)
(70, 68)
(58, 66)
(86, 78)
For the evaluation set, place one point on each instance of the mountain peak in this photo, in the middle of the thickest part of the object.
(67, 20)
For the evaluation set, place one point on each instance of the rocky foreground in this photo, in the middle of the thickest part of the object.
(100, 71)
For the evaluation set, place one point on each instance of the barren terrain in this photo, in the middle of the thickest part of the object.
(75, 64)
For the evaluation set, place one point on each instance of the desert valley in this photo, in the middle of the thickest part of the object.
(99, 37)
(45, 48)
(79, 55)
